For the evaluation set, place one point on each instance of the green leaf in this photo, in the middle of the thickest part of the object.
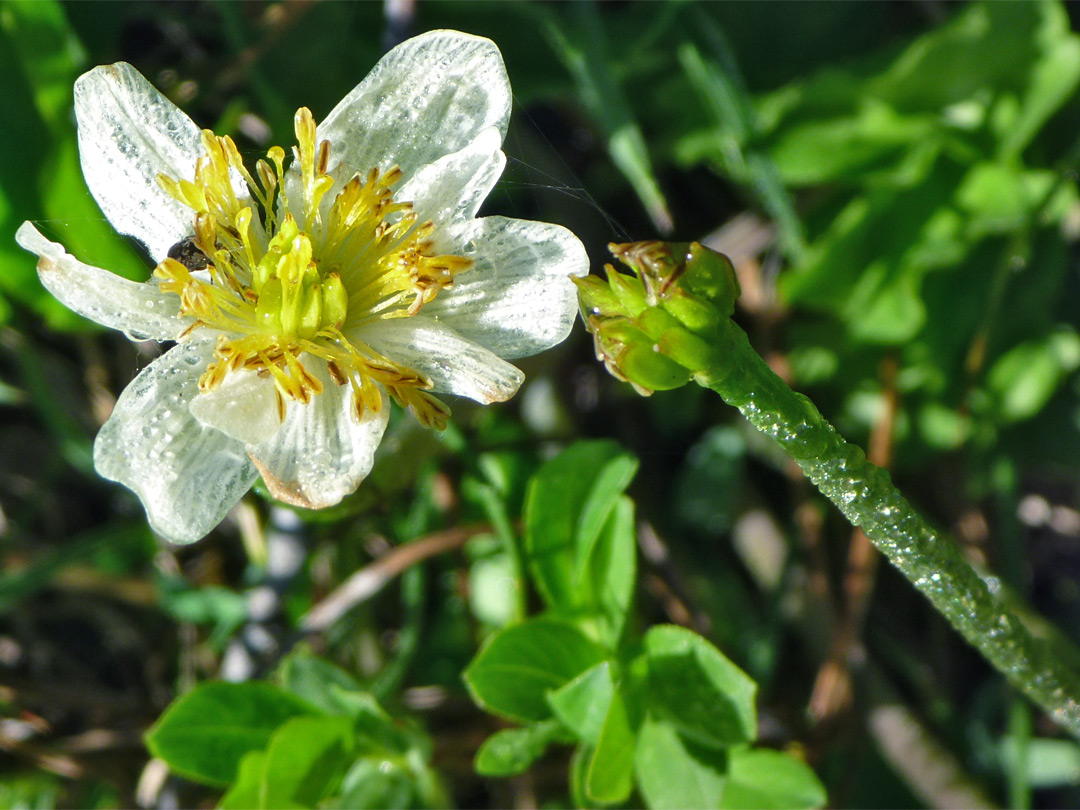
(515, 669)
(301, 766)
(582, 704)
(874, 137)
(493, 590)
(512, 750)
(1053, 80)
(868, 267)
(246, 791)
(707, 492)
(306, 757)
(612, 571)
(759, 779)
(697, 689)
(373, 783)
(336, 692)
(51, 56)
(318, 682)
(674, 773)
(947, 66)
(579, 771)
(1024, 378)
(205, 733)
(224, 608)
(609, 779)
(39, 129)
(579, 537)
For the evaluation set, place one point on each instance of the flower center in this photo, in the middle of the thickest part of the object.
(286, 271)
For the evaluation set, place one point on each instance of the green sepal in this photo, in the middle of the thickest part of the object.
(711, 276)
(596, 298)
(697, 315)
(629, 291)
(657, 322)
(651, 369)
(620, 330)
(691, 352)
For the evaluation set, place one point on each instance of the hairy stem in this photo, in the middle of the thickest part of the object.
(868, 498)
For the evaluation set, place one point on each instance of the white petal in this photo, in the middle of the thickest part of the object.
(517, 299)
(142, 311)
(129, 133)
(321, 452)
(428, 97)
(244, 407)
(453, 364)
(453, 187)
(187, 476)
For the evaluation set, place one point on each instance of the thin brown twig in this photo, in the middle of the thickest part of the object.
(41, 757)
(370, 579)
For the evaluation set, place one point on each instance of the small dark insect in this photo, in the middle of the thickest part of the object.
(188, 254)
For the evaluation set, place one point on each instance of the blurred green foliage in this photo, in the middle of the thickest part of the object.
(898, 183)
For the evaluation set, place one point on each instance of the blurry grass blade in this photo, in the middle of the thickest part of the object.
(581, 47)
(1054, 78)
(23, 134)
(75, 445)
(18, 585)
(721, 98)
(733, 126)
(50, 53)
(42, 57)
(769, 188)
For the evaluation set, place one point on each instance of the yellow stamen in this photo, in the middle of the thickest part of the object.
(289, 277)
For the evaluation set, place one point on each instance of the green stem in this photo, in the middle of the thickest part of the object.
(868, 498)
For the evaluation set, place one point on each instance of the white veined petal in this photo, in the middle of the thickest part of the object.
(244, 407)
(129, 133)
(517, 299)
(188, 476)
(322, 451)
(428, 97)
(453, 187)
(453, 364)
(141, 311)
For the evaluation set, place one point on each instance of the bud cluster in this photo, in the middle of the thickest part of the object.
(662, 326)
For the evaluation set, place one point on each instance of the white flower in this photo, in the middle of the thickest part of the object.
(303, 297)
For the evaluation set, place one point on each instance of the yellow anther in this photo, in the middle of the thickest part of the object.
(291, 277)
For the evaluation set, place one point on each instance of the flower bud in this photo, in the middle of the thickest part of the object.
(661, 326)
